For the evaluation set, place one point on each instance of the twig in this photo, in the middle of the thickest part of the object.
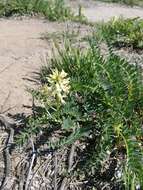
(64, 184)
(31, 165)
(70, 167)
(71, 158)
(55, 174)
(21, 173)
(8, 165)
(40, 166)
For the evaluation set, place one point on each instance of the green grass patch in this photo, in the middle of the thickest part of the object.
(50, 9)
(122, 32)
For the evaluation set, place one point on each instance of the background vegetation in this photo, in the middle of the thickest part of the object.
(51, 9)
(122, 32)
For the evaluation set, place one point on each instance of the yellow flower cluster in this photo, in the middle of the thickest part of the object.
(58, 86)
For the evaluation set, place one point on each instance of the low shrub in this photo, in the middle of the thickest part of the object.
(122, 32)
(98, 103)
(51, 9)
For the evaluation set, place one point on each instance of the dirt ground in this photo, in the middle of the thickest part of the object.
(97, 11)
(23, 52)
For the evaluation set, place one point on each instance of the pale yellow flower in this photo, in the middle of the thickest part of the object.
(59, 83)
(56, 76)
(46, 90)
(61, 97)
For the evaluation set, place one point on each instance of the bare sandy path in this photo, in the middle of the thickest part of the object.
(21, 51)
(98, 11)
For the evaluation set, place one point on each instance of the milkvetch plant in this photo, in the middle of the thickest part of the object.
(97, 102)
(55, 91)
(59, 85)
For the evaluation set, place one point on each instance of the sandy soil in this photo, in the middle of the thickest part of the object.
(20, 53)
(98, 11)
